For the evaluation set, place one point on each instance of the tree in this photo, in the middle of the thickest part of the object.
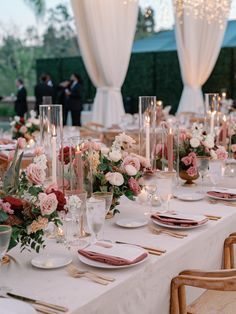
(145, 23)
(38, 6)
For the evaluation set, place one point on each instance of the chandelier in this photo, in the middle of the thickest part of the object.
(209, 10)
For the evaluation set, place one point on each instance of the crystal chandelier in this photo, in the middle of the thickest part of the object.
(209, 10)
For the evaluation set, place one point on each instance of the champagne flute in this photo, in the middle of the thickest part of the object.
(96, 210)
(202, 166)
(5, 236)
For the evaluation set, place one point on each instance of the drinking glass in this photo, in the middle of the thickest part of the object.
(5, 236)
(165, 180)
(96, 210)
(107, 196)
(150, 187)
(215, 170)
(202, 166)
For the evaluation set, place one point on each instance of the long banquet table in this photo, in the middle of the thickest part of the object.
(142, 289)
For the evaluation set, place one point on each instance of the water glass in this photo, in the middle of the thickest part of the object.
(96, 210)
(165, 181)
(215, 171)
(202, 166)
(107, 196)
(5, 236)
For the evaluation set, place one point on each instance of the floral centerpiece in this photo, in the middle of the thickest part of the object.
(26, 204)
(232, 134)
(26, 128)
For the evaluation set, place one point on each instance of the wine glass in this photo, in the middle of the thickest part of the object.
(202, 166)
(215, 170)
(5, 236)
(107, 196)
(96, 210)
(151, 190)
(165, 181)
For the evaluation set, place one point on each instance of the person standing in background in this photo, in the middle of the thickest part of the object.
(42, 89)
(21, 99)
(74, 99)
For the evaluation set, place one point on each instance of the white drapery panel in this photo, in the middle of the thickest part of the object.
(106, 30)
(198, 43)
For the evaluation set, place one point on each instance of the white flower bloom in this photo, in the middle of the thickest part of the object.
(29, 197)
(209, 141)
(131, 170)
(73, 202)
(194, 142)
(41, 161)
(105, 150)
(115, 156)
(115, 178)
(17, 118)
(28, 124)
(33, 114)
(213, 154)
(12, 123)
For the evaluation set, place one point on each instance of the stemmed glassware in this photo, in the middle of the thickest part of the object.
(107, 196)
(150, 187)
(215, 171)
(96, 210)
(202, 166)
(165, 181)
(5, 236)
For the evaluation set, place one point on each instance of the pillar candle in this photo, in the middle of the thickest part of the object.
(224, 130)
(170, 150)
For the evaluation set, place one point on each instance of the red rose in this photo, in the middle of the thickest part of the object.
(22, 120)
(60, 198)
(66, 154)
(16, 203)
(17, 126)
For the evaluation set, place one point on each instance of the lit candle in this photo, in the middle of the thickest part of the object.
(224, 130)
(79, 168)
(170, 148)
(223, 96)
(212, 123)
(54, 155)
(147, 122)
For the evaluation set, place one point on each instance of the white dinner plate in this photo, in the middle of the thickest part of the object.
(221, 198)
(132, 222)
(10, 306)
(93, 263)
(177, 227)
(189, 197)
(51, 262)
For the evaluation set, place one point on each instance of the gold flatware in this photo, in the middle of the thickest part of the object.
(213, 217)
(43, 310)
(77, 274)
(227, 203)
(167, 232)
(105, 277)
(38, 302)
(151, 250)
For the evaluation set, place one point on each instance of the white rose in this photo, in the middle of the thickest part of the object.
(115, 156)
(115, 178)
(131, 170)
(12, 123)
(213, 154)
(17, 118)
(209, 141)
(28, 125)
(105, 150)
(194, 142)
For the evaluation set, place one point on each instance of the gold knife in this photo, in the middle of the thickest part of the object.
(38, 302)
(151, 249)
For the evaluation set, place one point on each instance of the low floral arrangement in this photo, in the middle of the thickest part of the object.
(197, 143)
(26, 128)
(26, 205)
(232, 134)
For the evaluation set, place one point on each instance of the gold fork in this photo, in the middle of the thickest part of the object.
(170, 233)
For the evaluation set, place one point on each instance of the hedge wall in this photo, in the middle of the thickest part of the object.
(156, 73)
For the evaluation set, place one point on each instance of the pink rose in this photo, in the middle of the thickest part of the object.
(11, 155)
(132, 161)
(187, 160)
(21, 142)
(35, 174)
(183, 135)
(194, 158)
(143, 161)
(48, 203)
(192, 171)
(23, 129)
(233, 148)
(50, 188)
(221, 153)
(6, 207)
(134, 186)
(38, 151)
(90, 145)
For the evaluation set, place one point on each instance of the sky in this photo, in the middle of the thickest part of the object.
(16, 16)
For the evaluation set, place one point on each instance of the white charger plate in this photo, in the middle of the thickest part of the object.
(93, 263)
(10, 306)
(220, 198)
(177, 227)
(189, 197)
(132, 222)
(51, 262)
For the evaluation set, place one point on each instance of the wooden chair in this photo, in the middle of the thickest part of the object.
(220, 294)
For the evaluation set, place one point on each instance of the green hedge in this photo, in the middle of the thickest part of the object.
(155, 73)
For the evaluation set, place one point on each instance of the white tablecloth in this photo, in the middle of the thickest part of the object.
(141, 289)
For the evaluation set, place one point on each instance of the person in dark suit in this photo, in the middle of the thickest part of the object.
(21, 99)
(41, 90)
(74, 101)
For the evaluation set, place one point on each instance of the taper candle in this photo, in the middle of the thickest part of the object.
(147, 124)
(224, 130)
(170, 148)
(54, 155)
(79, 168)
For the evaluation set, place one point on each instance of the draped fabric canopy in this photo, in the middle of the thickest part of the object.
(106, 30)
(198, 43)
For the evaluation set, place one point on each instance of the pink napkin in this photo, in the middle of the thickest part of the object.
(109, 259)
(177, 221)
(222, 194)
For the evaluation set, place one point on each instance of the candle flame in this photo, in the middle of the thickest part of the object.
(147, 119)
(224, 118)
(53, 130)
(170, 132)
